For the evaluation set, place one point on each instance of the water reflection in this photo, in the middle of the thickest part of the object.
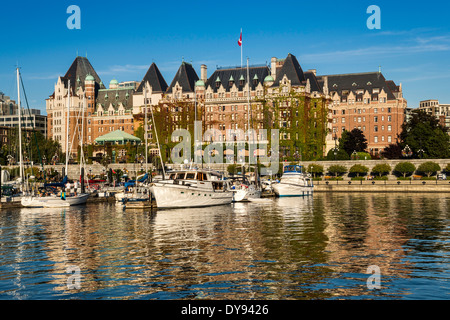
(290, 248)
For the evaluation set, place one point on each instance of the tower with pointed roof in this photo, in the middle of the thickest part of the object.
(79, 82)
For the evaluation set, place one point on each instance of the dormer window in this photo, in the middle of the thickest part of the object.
(231, 81)
(217, 82)
(241, 81)
(255, 80)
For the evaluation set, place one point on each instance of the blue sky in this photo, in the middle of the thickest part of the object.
(122, 38)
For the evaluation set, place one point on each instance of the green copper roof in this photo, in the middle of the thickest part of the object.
(117, 136)
(200, 83)
(89, 78)
(268, 78)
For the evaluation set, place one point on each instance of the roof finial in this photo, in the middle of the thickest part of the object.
(379, 69)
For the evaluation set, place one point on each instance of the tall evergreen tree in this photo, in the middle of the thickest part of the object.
(351, 141)
(425, 136)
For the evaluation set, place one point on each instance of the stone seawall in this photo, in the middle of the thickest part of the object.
(384, 188)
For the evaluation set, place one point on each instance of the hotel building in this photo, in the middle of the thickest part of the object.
(369, 102)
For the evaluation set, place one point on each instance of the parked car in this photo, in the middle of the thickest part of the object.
(442, 176)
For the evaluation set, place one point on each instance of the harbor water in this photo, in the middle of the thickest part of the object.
(318, 247)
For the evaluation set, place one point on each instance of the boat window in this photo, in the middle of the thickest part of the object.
(190, 176)
(217, 186)
(180, 175)
(172, 176)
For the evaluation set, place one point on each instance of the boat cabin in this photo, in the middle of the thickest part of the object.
(293, 169)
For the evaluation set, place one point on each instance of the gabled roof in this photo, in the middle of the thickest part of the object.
(357, 81)
(117, 136)
(186, 78)
(77, 73)
(155, 79)
(291, 68)
(237, 74)
(313, 81)
(115, 97)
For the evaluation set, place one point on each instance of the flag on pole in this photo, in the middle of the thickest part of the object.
(240, 40)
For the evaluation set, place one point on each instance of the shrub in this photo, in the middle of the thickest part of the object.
(381, 169)
(232, 169)
(315, 170)
(359, 169)
(429, 168)
(337, 170)
(361, 156)
(404, 169)
(340, 155)
(447, 169)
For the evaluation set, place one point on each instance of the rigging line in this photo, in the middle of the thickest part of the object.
(77, 129)
(33, 126)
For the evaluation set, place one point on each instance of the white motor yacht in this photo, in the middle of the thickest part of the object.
(192, 188)
(293, 183)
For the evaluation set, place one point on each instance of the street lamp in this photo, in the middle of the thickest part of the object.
(421, 152)
(407, 152)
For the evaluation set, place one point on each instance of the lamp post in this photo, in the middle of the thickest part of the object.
(406, 152)
(421, 152)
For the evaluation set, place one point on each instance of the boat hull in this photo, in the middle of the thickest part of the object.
(172, 196)
(291, 190)
(53, 202)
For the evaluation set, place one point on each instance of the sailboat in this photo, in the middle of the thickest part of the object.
(64, 198)
(247, 191)
(141, 197)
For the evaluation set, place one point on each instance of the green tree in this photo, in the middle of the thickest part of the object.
(425, 136)
(381, 169)
(358, 169)
(315, 169)
(447, 168)
(340, 155)
(393, 151)
(232, 169)
(428, 168)
(405, 168)
(337, 170)
(354, 140)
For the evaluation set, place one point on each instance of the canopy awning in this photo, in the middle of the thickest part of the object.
(117, 136)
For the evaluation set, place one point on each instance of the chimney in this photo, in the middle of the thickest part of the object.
(273, 67)
(314, 71)
(203, 73)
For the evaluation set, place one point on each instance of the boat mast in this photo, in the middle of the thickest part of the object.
(157, 142)
(146, 130)
(67, 130)
(82, 135)
(21, 174)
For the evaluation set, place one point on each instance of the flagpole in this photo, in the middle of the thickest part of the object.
(241, 48)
